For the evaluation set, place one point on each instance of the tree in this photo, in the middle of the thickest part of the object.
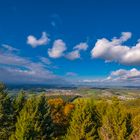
(60, 113)
(2, 87)
(82, 125)
(68, 108)
(114, 123)
(34, 121)
(18, 103)
(136, 128)
(6, 111)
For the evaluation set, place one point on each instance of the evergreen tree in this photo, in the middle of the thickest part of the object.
(82, 125)
(6, 117)
(18, 102)
(34, 121)
(114, 123)
(136, 128)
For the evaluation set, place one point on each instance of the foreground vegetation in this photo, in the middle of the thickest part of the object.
(38, 117)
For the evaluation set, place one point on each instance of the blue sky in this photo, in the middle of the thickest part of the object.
(70, 41)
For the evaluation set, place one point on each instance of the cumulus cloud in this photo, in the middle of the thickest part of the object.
(58, 49)
(82, 46)
(34, 42)
(120, 77)
(75, 54)
(114, 50)
(125, 75)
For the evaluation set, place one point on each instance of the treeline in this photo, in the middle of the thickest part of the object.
(39, 118)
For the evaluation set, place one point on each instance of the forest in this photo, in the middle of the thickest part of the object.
(38, 117)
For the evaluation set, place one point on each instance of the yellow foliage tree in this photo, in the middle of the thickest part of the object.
(60, 113)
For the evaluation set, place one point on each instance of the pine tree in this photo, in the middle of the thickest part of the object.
(18, 102)
(114, 123)
(6, 117)
(34, 121)
(136, 128)
(82, 125)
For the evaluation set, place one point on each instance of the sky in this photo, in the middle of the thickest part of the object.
(87, 42)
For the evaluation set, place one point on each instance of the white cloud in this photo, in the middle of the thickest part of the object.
(82, 46)
(58, 49)
(114, 50)
(40, 76)
(9, 48)
(45, 60)
(120, 77)
(18, 69)
(75, 54)
(34, 42)
(125, 75)
(90, 81)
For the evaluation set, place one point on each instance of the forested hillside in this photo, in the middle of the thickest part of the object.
(38, 117)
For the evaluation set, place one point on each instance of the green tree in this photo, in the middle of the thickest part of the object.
(34, 121)
(136, 128)
(115, 122)
(6, 116)
(82, 125)
(18, 103)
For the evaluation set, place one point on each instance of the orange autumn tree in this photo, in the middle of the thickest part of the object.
(60, 113)
(68, 108)
(57, 106)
